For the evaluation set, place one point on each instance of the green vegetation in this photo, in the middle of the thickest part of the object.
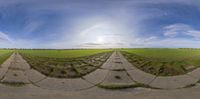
(65, 63)
(63, 53)
(176, 54)
(164, 62)
(4, 54)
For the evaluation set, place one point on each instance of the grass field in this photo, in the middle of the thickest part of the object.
(4, 54)
(75, 63)
(164, 62)
(63, 53)
(66, 63)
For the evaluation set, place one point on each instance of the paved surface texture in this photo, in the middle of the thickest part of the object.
(170, 82)
(32, 92)
(15, 70)
(115, 71)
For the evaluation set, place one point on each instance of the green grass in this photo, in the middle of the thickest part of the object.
(65, 63)
(165, 62)
(175, 54)
(63, 53)
(4, 54)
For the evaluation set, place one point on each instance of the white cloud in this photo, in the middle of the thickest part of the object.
(4, 37)
(165, 43)
(178, 29)
(175, 29)
(32, 25)
(194, 33)
(8, 42)
(175, 43)
(143, 41)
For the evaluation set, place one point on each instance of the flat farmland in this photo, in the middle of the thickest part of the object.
(63, 53)
(164, 62)
(4, 54)
(66, 63)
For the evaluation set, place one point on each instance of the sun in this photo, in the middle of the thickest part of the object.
(100, 39)
(101, 35)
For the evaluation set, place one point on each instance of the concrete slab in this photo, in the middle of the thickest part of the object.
(117, 77)
(117, 66)
(173, 82)
(195, 73)
(97, 76)
(140, 76)
(19, 66)
(15, 76)
(19, 59)
(76, 84)
(117, 59)
(64, 84)
(107, 65)
(113, 63)
(32, 92)
(127, 65)
(34, 76)
(2, 72)
(7, 63)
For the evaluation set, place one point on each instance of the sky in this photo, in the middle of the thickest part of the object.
(63, 24)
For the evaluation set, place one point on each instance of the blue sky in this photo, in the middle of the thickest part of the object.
(99, 23)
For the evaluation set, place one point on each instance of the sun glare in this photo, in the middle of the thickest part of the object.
(100, 39)
(101, 35)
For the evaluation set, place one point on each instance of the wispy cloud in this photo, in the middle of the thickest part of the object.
(4, 37)
(31, 26)
(174, 43)
(7, 41)
(178, 29)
